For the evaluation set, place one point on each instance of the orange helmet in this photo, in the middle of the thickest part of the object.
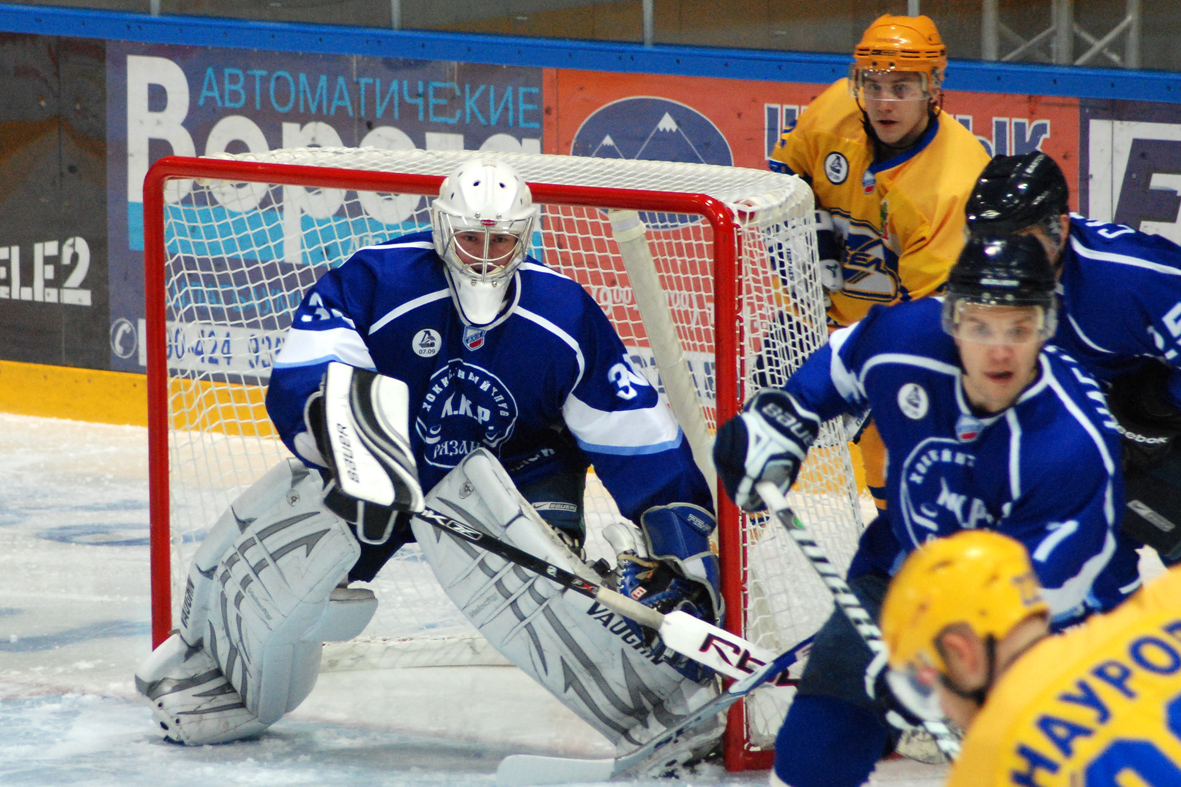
(901, 43)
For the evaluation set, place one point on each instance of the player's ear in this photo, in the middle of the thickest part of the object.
(964, 654)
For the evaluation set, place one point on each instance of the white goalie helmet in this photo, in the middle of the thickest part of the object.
(483, 220)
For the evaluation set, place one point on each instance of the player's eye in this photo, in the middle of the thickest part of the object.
(1020, 334)
(977, 331)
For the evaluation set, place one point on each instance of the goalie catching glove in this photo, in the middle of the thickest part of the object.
(360, 421)
(668, 565)
(767, 441)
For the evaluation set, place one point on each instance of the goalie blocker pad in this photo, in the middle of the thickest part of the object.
(365, 437)
(585, 655)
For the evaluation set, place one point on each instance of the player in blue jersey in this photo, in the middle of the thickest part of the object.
(1120, 291)
(984, 428)
(510, 382)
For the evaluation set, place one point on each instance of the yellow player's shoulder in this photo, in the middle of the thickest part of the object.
(959, 148)
(948, 165)
(926, 193)
(833, 111)
(831, 120)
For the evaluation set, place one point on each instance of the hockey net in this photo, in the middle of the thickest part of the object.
(232, 243)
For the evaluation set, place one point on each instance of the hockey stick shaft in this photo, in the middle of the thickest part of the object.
(692, 637)
(842, 594)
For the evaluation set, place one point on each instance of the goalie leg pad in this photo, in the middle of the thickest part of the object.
(191, 699)
(271, 592)
(284, 487)
(585, 655)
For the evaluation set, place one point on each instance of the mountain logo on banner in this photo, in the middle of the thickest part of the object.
(645, 128)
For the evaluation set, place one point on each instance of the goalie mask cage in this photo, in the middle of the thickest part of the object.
(720, 260)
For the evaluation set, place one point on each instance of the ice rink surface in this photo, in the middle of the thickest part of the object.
(74, 625)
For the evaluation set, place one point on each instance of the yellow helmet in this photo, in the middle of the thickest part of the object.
(900, 43)
(977, 577)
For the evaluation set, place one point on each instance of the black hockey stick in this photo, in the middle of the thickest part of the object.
(844, 596)
(682, 633)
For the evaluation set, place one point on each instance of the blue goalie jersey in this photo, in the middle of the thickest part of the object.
(1044, 471)
(1121, 300)
(547, 387)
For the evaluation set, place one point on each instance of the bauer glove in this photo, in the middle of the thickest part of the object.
(766, 442)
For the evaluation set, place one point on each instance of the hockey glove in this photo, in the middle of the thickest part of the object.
(1149, 420)
(910, 737)
(766, 442)
(892, 709)
(829, 249)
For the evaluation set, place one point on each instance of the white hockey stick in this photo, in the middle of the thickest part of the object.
(844, 596)
(519, 770)
(692, 637)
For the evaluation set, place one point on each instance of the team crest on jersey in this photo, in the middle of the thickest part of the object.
(473, 338)
(936, 477)
(836, 168)
(913, 401)
(967, 427)
(426, 343)
(465, 407)
(869, 182)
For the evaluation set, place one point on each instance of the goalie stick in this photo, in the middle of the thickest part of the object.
(519, 770)
(692, 637)
(843, 595)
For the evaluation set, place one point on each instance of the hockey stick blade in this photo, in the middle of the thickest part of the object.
(519, 770)
(716, 648)
(843, 595)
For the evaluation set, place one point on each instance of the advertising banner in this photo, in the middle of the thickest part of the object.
(200, 101)
(53, 202)
(737, 122)
(1131, 151)
(84, 119)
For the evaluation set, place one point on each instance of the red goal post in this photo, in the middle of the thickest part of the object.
(708, 273)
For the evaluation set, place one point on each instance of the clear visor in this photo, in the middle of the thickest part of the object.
(485, 251)
(983, 323)
(914, 687)
(888, 85)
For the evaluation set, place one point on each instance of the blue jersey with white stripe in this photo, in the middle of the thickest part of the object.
(1121, 300)
(547, 387)
(1044, 471)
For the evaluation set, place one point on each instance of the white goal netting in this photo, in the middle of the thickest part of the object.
(239, 253)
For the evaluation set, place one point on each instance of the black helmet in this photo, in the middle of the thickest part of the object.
(1001, 270)
(1015, 192)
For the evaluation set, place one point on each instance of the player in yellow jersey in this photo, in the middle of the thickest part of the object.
(891, 173)
(1098, 706)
